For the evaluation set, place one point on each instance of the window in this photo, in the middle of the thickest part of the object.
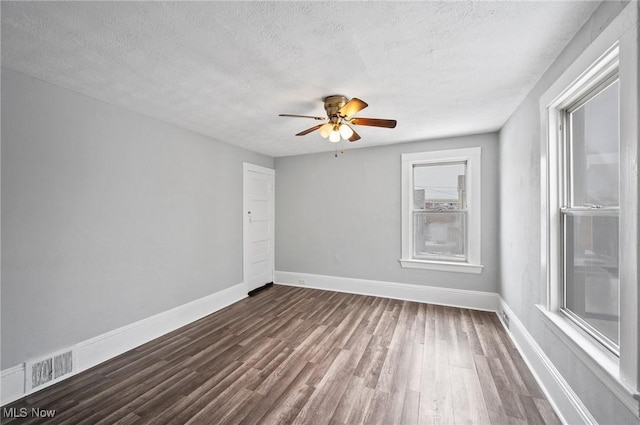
(441, 210)
(589, 183)
(589, 213)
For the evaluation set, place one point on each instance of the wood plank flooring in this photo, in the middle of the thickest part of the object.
(303, 356)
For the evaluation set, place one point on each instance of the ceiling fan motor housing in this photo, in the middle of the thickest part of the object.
(333, 104)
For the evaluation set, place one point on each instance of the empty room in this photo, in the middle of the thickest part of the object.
(316, 213)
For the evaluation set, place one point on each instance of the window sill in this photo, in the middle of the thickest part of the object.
(596, 358)
(443, 266)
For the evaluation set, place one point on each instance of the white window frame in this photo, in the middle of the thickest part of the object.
(615, 50)
(472, 158)
(605, 75)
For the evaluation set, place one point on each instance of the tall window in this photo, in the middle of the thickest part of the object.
(590, 213)
(590, 221)
(441, 210)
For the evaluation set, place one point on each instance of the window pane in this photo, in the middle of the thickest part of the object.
(595, 150)
(592, 283)
(439, 235)
(439, 186)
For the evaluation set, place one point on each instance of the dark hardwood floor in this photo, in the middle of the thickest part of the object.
(303, 356)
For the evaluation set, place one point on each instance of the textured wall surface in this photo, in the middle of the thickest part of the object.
(226, 69)
(341, 216)
(108, 217)
(520, 212)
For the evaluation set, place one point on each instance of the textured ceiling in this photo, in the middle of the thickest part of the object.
(226, 69)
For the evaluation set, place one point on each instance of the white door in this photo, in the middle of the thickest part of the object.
(258, 200)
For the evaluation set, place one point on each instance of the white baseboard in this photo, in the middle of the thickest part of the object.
(564, 400)
(111, 344)
(12, 383)
(477, 300)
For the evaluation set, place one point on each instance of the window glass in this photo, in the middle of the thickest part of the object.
(439, 234)
(592, 281)
(595, 150)
(439, 186)
(439, 221)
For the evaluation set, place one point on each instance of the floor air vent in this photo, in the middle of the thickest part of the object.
(45, 371)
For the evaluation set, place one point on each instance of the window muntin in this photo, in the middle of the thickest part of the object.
(439, 212)
(589, 215)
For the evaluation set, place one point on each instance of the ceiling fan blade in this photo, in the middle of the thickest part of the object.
(374, 122)
(309, 130)
(352, 107)
(303, 116)
(354, 137)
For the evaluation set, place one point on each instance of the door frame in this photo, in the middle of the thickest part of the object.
(246, 168)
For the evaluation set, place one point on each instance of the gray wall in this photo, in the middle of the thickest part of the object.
(341, 216)
(108, 217)
(520, 237)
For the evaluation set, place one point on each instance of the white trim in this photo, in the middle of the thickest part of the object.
(249, 167)
(101, 348)
(443, 266)
(12, 384)
(472, 156)
(596, 358)
(477, 300)
(563, 399)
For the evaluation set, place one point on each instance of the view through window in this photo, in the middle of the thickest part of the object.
(439, 210)
(590, 214)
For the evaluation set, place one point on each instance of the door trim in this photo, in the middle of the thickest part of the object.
(249, 167)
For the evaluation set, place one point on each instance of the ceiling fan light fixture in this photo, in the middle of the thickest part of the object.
(345, 131)
(326, 129)
(338, 125)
